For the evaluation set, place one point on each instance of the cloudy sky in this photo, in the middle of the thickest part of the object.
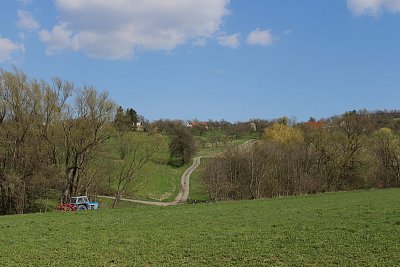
(214, 59)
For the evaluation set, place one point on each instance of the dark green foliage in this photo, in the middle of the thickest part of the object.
(182, 144)
(119, 120)
(131, 117)
(125, 121)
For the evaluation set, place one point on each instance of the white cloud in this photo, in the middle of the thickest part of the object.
(59, 38)
(115, 29)
(26, 21)
(373, 7)
(260, 37)
(231, 41)
(8, 49)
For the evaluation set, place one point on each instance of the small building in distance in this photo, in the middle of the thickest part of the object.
(315, 124)
(192, 124)
(139, 126)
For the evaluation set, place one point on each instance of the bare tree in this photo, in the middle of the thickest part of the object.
(23, 154)
(135, 151)
(386, 147)
(86, 126)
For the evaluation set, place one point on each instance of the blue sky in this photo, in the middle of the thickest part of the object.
(214, 59)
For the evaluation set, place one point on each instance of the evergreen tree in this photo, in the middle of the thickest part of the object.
(182, 144)
(131, 118)
(119, 120)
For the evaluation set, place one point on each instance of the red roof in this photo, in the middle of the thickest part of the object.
(195, 123)
(315, 124)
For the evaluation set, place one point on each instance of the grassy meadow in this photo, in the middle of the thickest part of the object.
(160, 178)
(198, 191)
(346, 228)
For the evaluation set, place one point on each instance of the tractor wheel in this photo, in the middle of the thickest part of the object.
(82, 207)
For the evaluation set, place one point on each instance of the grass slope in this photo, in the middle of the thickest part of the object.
(356, 228)
(198, 191)
(158, 180)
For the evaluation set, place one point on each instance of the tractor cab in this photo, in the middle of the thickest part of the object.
(83, 203)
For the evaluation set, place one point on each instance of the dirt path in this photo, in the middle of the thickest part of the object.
(183, 192)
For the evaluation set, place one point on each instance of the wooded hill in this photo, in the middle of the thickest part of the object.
(357, 150)
(55, 137)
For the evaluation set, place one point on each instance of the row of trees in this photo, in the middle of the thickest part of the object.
(344, 153)
(126, 120)
(49, 133)
(56, 137)
(225, 128)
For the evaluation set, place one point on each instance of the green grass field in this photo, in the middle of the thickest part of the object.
(159, 180)
(353, 229)
(198, 191)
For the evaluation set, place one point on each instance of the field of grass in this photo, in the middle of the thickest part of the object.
(352, 229)
(159, 180)
(198, 192)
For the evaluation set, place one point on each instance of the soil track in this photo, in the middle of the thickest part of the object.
(183, 192)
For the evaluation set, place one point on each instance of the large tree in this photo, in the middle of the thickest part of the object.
(29, 139)
(282, 133)
(135, 151)
(86, 126)
(48, 135)
(182, 144)
(386, 145)
(125, 120)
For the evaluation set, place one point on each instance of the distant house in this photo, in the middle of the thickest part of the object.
(139, 126)
(315, 124)
(191, 124)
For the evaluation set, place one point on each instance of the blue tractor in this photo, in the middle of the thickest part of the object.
(83, 203)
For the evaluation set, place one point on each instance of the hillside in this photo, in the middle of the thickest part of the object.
(347, 228)
(159, 180)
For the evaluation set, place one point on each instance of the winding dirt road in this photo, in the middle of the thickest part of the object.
(183, 192)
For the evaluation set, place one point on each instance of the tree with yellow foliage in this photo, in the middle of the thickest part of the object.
(283, 134)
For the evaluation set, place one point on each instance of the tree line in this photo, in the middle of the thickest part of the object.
(358, 150)
(49, 133)
(60, 139)
(54, 136)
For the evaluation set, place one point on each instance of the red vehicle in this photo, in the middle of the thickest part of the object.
(66, 207)
(78, 203)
